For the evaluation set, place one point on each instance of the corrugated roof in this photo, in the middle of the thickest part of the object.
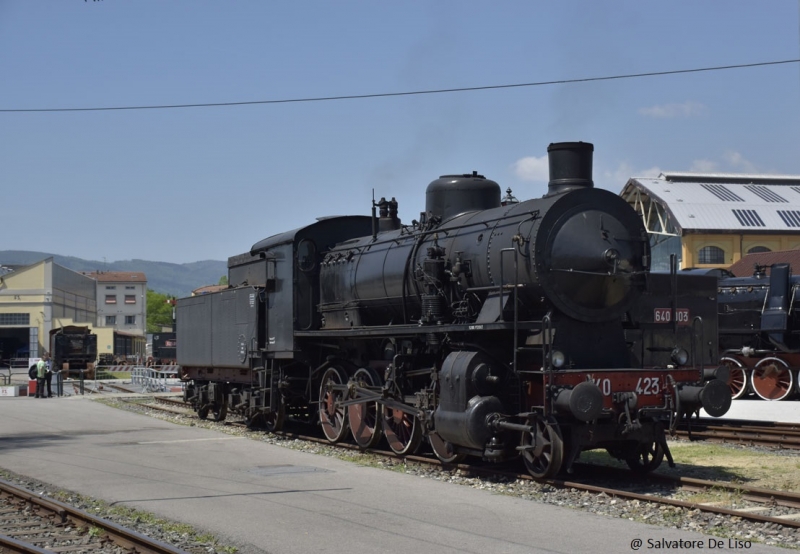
(725, 202)
(745, 266)
(117, 276)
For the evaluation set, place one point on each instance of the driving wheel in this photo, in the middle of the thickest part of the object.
(365, 423)
(332, 416)
(403, 431)
(444, 450)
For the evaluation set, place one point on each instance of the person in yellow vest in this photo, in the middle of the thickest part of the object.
(41, 374)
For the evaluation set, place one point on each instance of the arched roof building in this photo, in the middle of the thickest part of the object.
(712, 220)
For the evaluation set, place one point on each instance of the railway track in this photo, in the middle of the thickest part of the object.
(743, 432)
(740, 432)
(766, 506)
(31, 523)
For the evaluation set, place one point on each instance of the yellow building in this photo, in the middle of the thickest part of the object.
(713, 220)
(38, 298)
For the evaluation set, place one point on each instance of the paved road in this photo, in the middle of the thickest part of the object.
(266, 498)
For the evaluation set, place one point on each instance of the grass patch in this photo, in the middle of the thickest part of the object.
(719, 462)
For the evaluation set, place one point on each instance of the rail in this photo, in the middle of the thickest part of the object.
(55, 521)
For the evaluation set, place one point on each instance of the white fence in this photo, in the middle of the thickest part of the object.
(128, 368)
(155, 379)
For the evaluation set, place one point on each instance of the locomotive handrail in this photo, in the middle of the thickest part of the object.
(516, 299)
(547, 337)
(673, 279)
(496, 287)
(766, 299)
(697, 319)
(583, 272)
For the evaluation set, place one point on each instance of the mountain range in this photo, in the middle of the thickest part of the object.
(167, 278)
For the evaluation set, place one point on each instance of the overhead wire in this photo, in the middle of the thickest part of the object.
(403, 93)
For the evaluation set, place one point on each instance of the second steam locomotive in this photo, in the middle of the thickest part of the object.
(759, 339)
(489, 327)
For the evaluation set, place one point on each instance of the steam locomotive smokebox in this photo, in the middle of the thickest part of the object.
(570, 166)
(450, 195)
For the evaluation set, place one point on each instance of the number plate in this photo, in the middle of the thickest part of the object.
(664, 315)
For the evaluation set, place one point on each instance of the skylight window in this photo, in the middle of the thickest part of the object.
(748, 218)
(765, 194)
(723, 193)
(790, 217)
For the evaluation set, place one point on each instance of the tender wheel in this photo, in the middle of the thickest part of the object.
(254, 421)
(273, 421)
(403, 431)
(645, 458)
(333, 418)
(365, 423)
(444, 450)
(543, 449)
(738, 378)
(220, 410)
(772, 379)
(202, 413)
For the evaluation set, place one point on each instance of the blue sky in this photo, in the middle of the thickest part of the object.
(191, 184)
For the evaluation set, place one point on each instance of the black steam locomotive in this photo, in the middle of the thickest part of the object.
(490, 328)
(163, 349)
(760, 332)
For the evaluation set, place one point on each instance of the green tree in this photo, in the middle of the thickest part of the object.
(159, 311)
(223, 280)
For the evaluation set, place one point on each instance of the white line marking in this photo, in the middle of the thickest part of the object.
(192, 440)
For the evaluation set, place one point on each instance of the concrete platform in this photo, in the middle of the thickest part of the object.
(265, 498)
(787, 411)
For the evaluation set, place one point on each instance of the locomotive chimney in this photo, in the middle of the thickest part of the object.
(570, 166)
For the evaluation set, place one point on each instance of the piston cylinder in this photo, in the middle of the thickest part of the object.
(471, 427)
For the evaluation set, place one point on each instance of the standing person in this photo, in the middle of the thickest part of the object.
(48, 376)
(41, 373)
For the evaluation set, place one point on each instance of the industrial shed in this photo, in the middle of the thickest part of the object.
(36, 299)
(713, 220)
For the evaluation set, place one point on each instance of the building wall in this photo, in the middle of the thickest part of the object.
(22, 305)
(129, 301)
(51, 296)
(106, 347)
(73, 297)
(733, 245)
